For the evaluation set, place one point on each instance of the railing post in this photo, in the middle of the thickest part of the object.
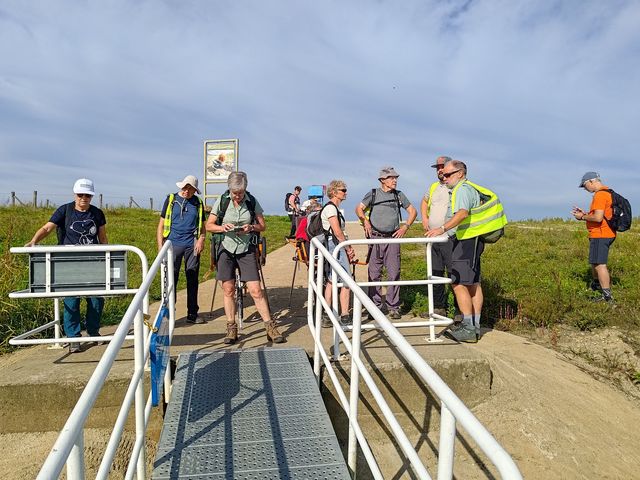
(432, 328)
(75, 461)
(335, 307)
(318, 310)
(56, 317)
(447, 443)
(354, 388)
(138, 349)
(172, 317)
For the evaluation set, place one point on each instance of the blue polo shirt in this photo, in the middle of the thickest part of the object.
(184, 219)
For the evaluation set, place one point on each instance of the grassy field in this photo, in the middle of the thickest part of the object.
(124, 226)
(535, 277)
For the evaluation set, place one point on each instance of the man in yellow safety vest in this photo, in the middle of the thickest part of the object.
(473, 212)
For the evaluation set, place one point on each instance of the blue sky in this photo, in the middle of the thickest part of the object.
(529, 94)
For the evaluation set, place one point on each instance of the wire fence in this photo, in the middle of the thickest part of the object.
(52, 200)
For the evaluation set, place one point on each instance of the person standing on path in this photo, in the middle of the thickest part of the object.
(601, 235)
(293, 210)
(384, 204)
(433, 210)
(182, 222)
(236, 218)
(78, 223)
(465, 253)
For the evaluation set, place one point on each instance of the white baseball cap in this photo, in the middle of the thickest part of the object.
(189, 180)
(84, 185)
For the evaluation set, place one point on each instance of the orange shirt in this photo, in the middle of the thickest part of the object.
(601, 201)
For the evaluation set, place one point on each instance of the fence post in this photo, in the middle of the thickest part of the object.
(101, 201)
(151, 203)
(47, 204)
(13, 199)
(35, 199)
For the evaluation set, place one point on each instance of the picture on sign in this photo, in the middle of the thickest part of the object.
(221, 157)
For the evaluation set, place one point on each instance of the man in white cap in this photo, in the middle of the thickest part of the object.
(78, 223)
(384, 205)
(182, 222)
(601, 235)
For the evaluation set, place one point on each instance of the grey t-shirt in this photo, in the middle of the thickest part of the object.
(385, 217)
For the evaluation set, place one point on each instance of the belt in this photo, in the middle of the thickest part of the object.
(375, 233)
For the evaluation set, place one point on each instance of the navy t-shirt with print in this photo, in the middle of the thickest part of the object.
(83, 227)
(184, 219)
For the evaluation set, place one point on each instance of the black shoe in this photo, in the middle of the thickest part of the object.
(395, 315)
(346, 320)
(195, 319)
(75, 348)
(326, 321)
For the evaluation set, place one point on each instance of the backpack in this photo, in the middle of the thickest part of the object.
(68, 212)
(287, 207)
(314, 222)
(225, 199)
(373, 203)
(621, 218)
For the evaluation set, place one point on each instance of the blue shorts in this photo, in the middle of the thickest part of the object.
(342, 258)
(599, 250)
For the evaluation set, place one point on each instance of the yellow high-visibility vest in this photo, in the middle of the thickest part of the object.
(167, 216)
(488, 217)
(432, 190)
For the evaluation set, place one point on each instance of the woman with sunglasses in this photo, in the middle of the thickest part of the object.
(333, 224)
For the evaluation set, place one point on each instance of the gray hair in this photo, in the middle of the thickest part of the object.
(237, 181)
(334, 186)
(458, 165)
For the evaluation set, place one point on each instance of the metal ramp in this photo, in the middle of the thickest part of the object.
(252, 414)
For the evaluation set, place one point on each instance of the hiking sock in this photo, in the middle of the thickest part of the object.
(476, 322)
(467, 320)
(606, 294)
(595, 285)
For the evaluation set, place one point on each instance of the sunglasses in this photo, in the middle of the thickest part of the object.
(84, 195)
(447, 175)
(344, 190)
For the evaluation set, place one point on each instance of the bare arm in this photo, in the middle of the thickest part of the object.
(366, 224)
(424, 215)
(159, 235)
(400, 232)
(102, 234)
(453, 222)
(596, 216)
(339, 235)
(41, 233)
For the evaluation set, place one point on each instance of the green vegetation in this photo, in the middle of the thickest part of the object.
(537, 276)
(124, 226)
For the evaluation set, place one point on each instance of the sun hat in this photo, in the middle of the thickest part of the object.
(588, 176)
(189, 180)
(387, 172)
(84, 185)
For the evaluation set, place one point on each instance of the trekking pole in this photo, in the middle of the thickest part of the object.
(215, 288)
(293, 280)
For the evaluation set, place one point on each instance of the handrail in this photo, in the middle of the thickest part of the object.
(23, 339)
(69, 444)
(452, 408)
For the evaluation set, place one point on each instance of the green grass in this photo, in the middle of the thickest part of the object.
(537, 276)
(124, 226)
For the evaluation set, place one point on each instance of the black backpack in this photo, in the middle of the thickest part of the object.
(225, 199)
(373, 203)
(287, 207)
(621, 219)
(314, 222)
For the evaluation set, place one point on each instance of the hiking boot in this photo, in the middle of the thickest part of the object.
(463, 333)
(595, 285)
(232, 334)
(606, 299)
(395, 315)
(346, 320)
(195, 319)
(75, 348)
(440, 311)
(273, 334)
(326, 321)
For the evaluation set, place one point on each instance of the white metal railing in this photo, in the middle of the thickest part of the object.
(47, 250)
(452, 410)
(69, 446)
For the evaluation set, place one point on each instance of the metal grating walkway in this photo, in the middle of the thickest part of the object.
(252, 414)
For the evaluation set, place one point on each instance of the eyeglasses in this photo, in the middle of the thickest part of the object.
(343, 190)
(84, 195)
(447, 175)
